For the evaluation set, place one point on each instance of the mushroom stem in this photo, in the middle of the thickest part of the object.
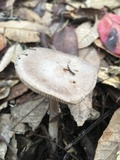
(53, 122)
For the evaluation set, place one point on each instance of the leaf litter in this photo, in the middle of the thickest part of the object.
(88, 130)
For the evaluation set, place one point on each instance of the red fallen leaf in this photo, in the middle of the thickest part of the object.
(109, 32)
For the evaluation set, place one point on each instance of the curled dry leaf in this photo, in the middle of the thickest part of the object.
(22, 31)
(4, 92)
(3, 42)
(109, 143)
(3, 105)
(10, 55)
(86, 34)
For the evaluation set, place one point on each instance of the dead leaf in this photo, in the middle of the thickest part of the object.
(6, 4)
(99, 44)
(10, 55)
(6, 132)
(3, 105)
(84, 111)
(9, 4)
(91, 55)
(16, 91)
(4, 92)
(101, 3)
(28, 14)
(86, 34)
(113, 93)
(3, 42)
(13, 144)
(47, 18)
(109, 143)
(105, 77)
(5, 87)
(73, 4)
(114, 70)
(22, 31)
(118, 155)
(66, 41)
(30, 4)
(33, 111)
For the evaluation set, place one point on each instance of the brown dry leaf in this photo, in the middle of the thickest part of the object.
(101, 3)
(3, 42)
(6, 132)
(16, 91)
(38, 107)
(22, 31)
(109, 143)
(65, 40)
(84, 111)
(86, 34)
(104, 75)
(10, 55)
(28, 14)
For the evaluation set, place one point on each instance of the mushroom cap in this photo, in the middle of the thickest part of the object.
(57, 75)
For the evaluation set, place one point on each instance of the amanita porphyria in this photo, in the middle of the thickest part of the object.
(59, 76)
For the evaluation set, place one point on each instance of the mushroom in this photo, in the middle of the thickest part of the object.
(61, 77)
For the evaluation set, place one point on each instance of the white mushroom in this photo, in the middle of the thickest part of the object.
(61, 77)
